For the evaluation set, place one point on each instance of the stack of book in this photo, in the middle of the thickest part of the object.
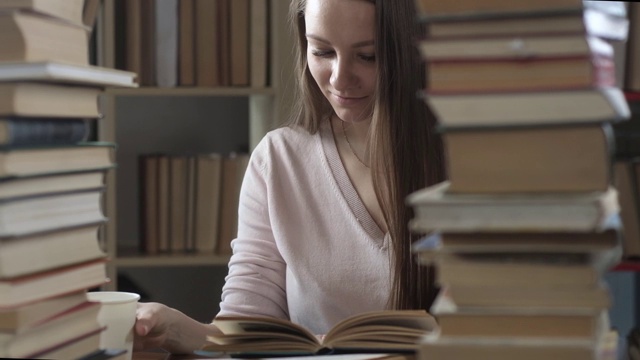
(528, 221)
(190, 202)
(51, 179)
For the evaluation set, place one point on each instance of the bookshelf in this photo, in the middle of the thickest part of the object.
(262, 108)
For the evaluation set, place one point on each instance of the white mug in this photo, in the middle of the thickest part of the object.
(118, 314)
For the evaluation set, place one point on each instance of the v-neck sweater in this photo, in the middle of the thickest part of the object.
(307, 248)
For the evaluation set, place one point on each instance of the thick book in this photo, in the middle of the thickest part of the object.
(22, 131)
(233, 168)
(76, 348)
(430, 9)
(22, 317)
(526, 297)
(542, 271)
(67, 10)
(51, 159)
(457, 321)
(429, 246)
(504, 46)
(31, 99)
(63, 327)
(29, 289)
(591, 21)
(492, 348)
(30, 37)
(379, 331)
(519, 74)
(575, 158)
(27, 215)
(437, 209)
(44, 251)
(51, 183)
(57, 72)
(567, 106)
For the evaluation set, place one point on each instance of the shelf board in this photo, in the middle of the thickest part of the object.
(628, 265)
(171, 260)
(190, 91)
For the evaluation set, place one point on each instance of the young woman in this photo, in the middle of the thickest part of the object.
(322, 232)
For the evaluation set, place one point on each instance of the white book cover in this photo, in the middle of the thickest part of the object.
(166, 42)
(66, 73)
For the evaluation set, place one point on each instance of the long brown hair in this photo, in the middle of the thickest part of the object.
(405, 153)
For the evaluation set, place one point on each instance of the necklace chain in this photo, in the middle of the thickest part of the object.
(344, 131)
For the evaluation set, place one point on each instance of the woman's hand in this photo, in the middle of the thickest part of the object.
(159, 326)
(151, 329)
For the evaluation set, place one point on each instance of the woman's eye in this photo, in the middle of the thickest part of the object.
(369, 58)
(321, 53)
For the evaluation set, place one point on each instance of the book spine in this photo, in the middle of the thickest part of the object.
(23, 132)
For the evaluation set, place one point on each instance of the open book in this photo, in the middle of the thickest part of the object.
(378, 331)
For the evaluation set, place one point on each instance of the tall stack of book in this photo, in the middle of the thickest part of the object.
(51, 179)
(528, 221)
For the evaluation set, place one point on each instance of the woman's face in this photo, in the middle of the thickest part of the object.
(341, 54)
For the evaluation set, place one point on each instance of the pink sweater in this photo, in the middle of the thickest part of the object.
(307, 249)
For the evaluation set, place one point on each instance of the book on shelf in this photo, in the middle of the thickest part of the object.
(632, 78)
(493, 348)
(259, 43)
(190, 202)
(23, 131)
(223, 35)
(206, 43)
(233, 168)
(149, 199)
(31, 253)
(566, 106)
(27, 316)
(437, 209)
(69, 10)
(32, 288)
(166, 43)
(186, 43)
(239, 54)
(178, 199)
(164, 205)
(132, 47)
(49, 159)
(30, 99)
(29, 37)
(535, 159)
(499, 47)
(40, 213)
(626, 175)
(60, 329)
(457, 321)
(90, 12)
(61, 73)
(208, 202)
(519, 74)
(147, 44)
(379, 331)
(591, 21)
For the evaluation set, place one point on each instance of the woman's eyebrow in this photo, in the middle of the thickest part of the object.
(356, 45)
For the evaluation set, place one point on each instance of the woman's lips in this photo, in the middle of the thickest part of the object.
(347, 101)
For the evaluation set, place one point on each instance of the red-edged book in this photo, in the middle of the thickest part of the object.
(28, 289)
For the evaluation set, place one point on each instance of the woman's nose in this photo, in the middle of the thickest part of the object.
(342, 75)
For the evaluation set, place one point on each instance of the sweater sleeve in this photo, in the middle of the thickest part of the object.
(255, 284)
